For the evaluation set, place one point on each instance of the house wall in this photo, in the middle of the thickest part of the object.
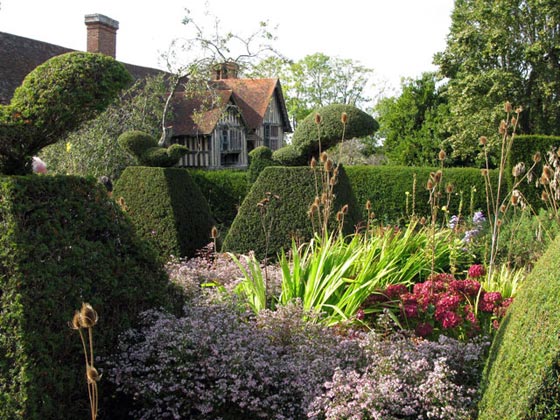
(272, 118)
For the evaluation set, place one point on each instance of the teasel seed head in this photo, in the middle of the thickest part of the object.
(88, 316)
(368, 205)
(515, 197)
(344, 118)
(441, 155)
(214, 232)
(313, 163)
(344, 209)
(317, 119)
(484, 172)
(519, 109)
(503, 127)
(429, 184)
(324, 157)
(548, 173)
(543, 180)
(437, 177)
(328, 165)
(449, 188)
(76, 322)
(544, 196)
(339, 216)
(518, 169)
(313, 209)
(513, 121)
(422, 221)
(324, 197)
(503, 208)
(483, 140)
(537, 157)
(317, 201)
(500, 222)
(507, 107)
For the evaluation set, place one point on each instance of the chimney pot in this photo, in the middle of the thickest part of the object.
(101, 34)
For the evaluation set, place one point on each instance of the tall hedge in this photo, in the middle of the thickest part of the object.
(167, 208)
(522, 150)
(63, 242)
(386, 187)
(296, 188)
(522, 376)
(224, 191)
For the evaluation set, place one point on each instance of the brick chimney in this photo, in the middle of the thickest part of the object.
(227, 70)
(101, 34)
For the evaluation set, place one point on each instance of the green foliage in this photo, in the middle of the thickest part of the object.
(55, 99)
(386, 188)
(147, 152)
(317, 80)
(289, 156)
(412, 123)
(522, 150)
(259, 158)
(497, 52)
(520, 380)
(331, 130)
(224, 191)
(93, 148)
(297, 188)
(63, 242)
(166, 208)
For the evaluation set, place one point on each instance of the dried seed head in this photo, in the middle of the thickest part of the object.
(537, 157)
(344, 118)
(429, 184)
(344, 209)
(368, 205)
(88, 316)
(324, 198)
(339, 216)
(324, 157)
(503, 127)
(214, 232)
(544, 196)
(548, 173)
(515, 197)
(513, 121)
(518, 169)
(92, 375)
(503, 208)
(507, 107)
(313, 209)
(328, 165)
(317, 119)
(441, 155)
(519, 109)
(484, 172)
(437, 177)
(449, 188)
(483, 140)
(423, 221)
(313, 163)
(543, 180)
(76, 323)
(317, 201)
(500, 222)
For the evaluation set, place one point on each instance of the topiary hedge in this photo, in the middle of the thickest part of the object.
(522, 375)
(224, 190)
(386, 187)
(259, 158)
(522, 150)
(296, 188)
(167, 208)
(63, 242)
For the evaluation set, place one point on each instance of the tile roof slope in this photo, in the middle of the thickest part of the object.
(19, 56)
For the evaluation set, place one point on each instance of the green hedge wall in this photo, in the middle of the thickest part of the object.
(522, 376)
(386, 187)
(224, 190)
(296, 187)
(522, 150)
(167, 208)
(64, 242)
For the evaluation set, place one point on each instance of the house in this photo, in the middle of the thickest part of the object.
(245, 113)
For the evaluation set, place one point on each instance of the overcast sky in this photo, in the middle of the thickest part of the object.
(397, 38)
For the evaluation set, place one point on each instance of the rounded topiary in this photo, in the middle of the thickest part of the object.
(167, 208)
(291, 192)
(54, 99)
(147, 152)
(521, 378)
(259, 158)
(330, 130)
(64, 242)
(289, 156)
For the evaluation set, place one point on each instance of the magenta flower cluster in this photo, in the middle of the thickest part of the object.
(445, 305)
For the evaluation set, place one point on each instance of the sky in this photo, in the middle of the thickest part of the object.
(396, 38)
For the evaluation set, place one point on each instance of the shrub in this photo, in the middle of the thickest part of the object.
(332, 130)
(224, 190)
(386, 188)
(259, 158)
(287, 216)
(167, 208)
(63, 242)
(289, 156)
(147, 152)
(54, 99)
(521, 375)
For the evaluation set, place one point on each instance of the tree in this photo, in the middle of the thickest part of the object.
(316, 81)
(498, 51)
(93, 149)
(53, 100)
(412, 123)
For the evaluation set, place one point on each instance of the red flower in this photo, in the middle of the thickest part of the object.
(489, 301)
(476, 271)
(451, 320)
(394, 291)
(424, 329)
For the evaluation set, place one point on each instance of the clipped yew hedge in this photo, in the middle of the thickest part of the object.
(522, 375)
(167, 209)
(386, 187)
(64, 242)
(296, 188)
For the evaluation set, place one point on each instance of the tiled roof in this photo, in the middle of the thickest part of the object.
(19, 56)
